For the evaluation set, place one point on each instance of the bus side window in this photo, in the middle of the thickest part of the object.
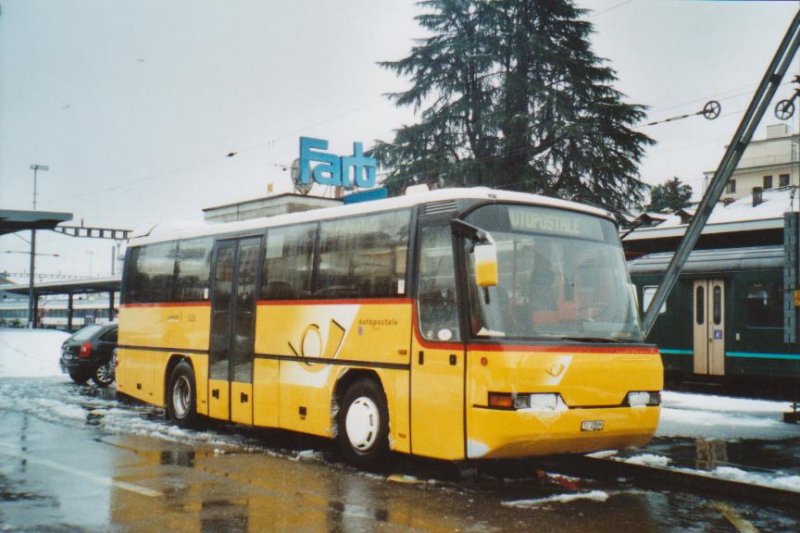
(437, 303)
(363, 256)
(288, 262)
(192, 269)
(151, 274)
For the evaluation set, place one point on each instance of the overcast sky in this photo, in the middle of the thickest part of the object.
(135, 104)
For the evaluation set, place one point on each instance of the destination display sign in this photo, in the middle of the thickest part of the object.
(356, 170)
(555, 222)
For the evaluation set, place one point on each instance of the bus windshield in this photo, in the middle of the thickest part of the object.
(562, 275)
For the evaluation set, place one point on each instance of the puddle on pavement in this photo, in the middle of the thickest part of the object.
(183, 458)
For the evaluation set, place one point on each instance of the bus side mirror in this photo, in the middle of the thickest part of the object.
(486, 265)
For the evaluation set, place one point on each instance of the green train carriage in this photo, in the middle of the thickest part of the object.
(724, 322)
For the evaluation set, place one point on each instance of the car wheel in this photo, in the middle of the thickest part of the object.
(182, 396)
(103, 374)
(78, 377)
(363, 425)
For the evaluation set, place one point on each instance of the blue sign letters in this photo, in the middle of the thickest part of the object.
(334, 170)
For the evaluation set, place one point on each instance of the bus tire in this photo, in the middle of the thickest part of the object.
(363, 425)
(182, 396)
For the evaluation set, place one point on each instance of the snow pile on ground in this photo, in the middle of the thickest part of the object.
(649, 459)
(30, 353)
(723, 404)
(594, 495)
(722, 417)
(766, 480)
(771, 479)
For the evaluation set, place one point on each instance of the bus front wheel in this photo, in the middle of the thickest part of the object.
(363, 425)
(181, 396)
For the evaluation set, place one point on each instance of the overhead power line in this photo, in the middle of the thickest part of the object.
(612, 8)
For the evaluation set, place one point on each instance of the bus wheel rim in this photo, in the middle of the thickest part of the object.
(362, 423)
(181, 396)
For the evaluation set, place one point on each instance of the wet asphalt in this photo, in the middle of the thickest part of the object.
(79, 459)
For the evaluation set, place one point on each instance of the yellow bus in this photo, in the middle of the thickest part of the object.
(455, 324)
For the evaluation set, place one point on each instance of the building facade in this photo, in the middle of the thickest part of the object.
(769, 163)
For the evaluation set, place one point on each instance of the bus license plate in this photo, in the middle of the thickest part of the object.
(592, 425)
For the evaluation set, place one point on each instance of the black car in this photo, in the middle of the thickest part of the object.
(87, 354)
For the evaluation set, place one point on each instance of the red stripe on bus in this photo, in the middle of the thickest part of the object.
(344, 301)
(618, 349)
(167, 304)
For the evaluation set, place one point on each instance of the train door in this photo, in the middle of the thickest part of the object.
(708, 298)
(230, 370)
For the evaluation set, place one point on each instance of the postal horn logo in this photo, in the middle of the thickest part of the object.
(556, 369)
(311, 346)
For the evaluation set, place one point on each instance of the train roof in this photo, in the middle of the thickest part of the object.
(713, 261)
(168, 232)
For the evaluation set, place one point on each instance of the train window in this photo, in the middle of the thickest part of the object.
(648, 293)
(717, 305)
(700, 306)
(763, 305)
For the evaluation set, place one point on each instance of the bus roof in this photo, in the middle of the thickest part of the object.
(169, 232)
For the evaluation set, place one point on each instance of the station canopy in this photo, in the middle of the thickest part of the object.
(12, 220)
(74, 286)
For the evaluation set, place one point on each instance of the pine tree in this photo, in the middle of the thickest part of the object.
(510, 95)
(670, 196)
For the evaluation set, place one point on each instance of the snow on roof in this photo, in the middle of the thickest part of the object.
(185, 230)
(774, 204)
(734, 216)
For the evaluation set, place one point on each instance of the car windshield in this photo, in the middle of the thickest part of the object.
(86, 332)
(562, 275)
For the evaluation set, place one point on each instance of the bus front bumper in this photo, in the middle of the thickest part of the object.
(494, 433)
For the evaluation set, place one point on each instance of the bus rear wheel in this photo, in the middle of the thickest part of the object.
(182, 396)
(363, 425)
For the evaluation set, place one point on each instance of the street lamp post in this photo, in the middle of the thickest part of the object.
(31, 307)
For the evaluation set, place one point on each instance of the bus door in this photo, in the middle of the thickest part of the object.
(437, 356)
(230, 372)
(708, 302)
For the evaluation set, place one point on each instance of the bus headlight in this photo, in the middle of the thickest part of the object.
(530, 402)
(643, 398)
